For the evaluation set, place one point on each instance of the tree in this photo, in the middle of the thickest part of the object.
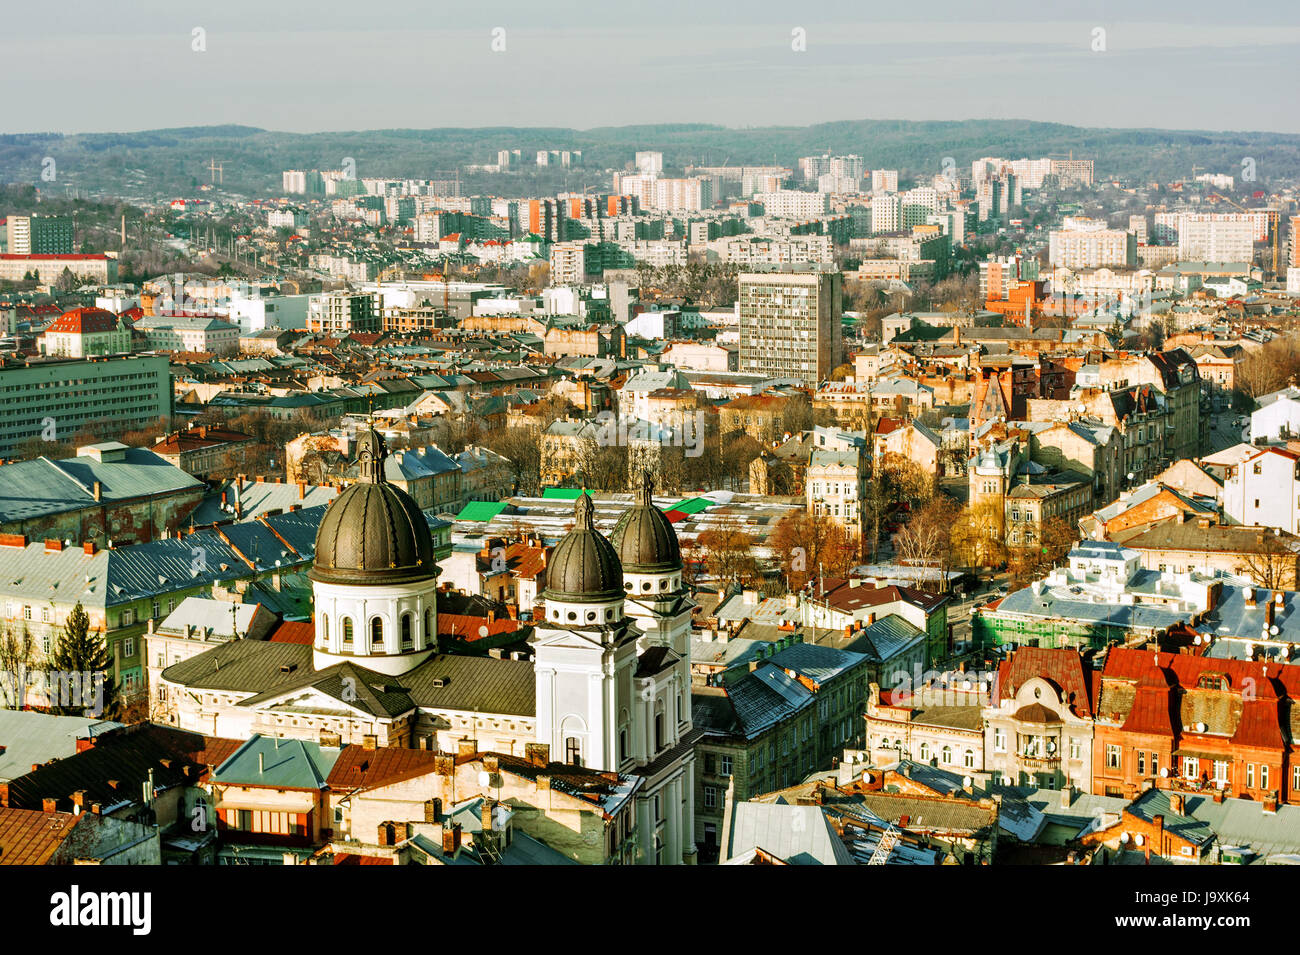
(978, 536)
(82, 655)
(1273, 565)
(807, 544)
(926, 540)
(729, 553)
(17, 657)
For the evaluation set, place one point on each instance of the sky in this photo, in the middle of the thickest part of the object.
(74, 66)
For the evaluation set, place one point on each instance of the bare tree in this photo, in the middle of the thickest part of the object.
(18, 655)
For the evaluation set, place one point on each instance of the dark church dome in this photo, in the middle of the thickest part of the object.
(373, 532)
(584, 566)
(644, 538)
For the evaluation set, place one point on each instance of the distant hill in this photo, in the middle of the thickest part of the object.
(175, 161)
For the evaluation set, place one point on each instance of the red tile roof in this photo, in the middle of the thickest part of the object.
(1062, 668)
(294, 631)
(361, 768)
(466, 627)
(31, 837)
(84, 321)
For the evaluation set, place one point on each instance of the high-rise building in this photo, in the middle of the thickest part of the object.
(1293, 260)
(792, 204)
(39, 235)
(1211, 237)
(51, 400)
(650, 163)
(790, 324)
(884, 180)
(1091, 249)
(342, 313)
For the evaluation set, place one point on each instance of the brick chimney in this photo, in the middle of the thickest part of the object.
(369, 741)
(451, 839)
(89, 548)
(432, 809)
(386, 834)
(49, 804)
(486, 815)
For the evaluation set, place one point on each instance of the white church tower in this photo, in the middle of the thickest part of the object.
(611, 695)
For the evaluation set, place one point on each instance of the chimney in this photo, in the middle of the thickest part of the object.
(386, 834)
(451, 839)
(99, 491)
(432, 810)
(369, 741)
(512, 610)
(49, 804)
(302, 490)
(1268, 613)
(487, 815)
(467, 747)
(261, 763)
(53, 545)
(1067, 795)
(89, 548)
(1250, 596)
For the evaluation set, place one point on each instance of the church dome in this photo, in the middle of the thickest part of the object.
(373, 532)
(644, 538)
(584, 566)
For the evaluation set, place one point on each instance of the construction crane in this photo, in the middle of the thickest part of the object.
(885, 847)
(1274, 226)
(216, 170)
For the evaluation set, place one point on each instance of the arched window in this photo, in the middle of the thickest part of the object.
(969, 759)
(376, 633)
(645, 585)
(572, 615)
(591, 615)
(347, 632)
(324, 637)
(428, 626)
(572, 751)
(925, 751)
(609, 614)
(663, 584)
(408, 638)
(946, 756)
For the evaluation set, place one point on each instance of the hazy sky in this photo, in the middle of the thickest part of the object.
(74, 66)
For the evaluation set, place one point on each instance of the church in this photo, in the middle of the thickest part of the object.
(608, 686)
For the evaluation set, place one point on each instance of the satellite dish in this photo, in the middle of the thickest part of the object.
(485, 779)
(483, 631)
(967, 782)
(1164, 772)
(1140, 839)
(1123, 839)
(1201, 727)
(1197, 639)
(1273, 630)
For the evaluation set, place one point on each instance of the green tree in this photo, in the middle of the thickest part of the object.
(84, 652)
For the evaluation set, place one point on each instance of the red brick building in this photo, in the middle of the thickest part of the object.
(1184, 722)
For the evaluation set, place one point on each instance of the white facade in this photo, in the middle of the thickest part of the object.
(388, 628)
(1264, 491)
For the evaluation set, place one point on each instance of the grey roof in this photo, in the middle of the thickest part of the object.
(267, 670)
(886, 638)
(257, 498)
(276, 763)
(799, 835)
(28, 738)
(41, 487)
(815, 662)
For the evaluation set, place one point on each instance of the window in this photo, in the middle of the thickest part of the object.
(572, 751)
(1074, 748)
(1155, 764)
(45, 614)
(659, 731)
(171, 604)
(347, 633)
(128, 616)
(408, 639)
(1250, 775)
(1220, 770)
(27, 613)
(968, 759)
(428, 626)
(999, 741)
(710, 797)
(1142, 763)
(622, 744)
(1263, 775)
(1295, 778)
(324, 630)
(925, 752)
(157, 609)
(1112, 756)
(946, 756)
(724, 765)
(128, 647)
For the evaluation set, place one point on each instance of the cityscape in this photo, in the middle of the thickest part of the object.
(914, 492)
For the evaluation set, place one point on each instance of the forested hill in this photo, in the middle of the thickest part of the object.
(166, 161)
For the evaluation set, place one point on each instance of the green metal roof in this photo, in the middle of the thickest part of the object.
(283, 764)
(561, 493)
(481, 510)
(692, 505)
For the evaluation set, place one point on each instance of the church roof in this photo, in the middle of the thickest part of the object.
(373, 531)
(584, 565)
(644, 538)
